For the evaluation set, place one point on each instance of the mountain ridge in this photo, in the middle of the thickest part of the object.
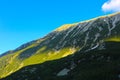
(69, 25)
(62, 42)
(66, 26)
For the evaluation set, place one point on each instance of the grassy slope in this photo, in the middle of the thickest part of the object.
(11, 63)
(92, 65)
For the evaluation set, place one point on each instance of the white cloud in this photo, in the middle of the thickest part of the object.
(111, 5)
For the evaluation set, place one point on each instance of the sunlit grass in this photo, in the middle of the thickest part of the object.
(49, 55)
(65, 27)
(116, 39)
(10, 63)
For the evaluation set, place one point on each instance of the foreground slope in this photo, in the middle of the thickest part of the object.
(67, 40)
(92, 65)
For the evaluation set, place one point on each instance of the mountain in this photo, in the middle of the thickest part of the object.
(88, 50)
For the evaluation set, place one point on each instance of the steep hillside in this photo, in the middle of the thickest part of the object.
(92, 65)
(68, 40)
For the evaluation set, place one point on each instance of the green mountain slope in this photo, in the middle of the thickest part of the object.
(66, 41)
(92, 65)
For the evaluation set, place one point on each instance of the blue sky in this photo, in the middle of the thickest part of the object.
(24, 20)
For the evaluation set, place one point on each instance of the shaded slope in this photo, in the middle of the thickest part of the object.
(92, 65)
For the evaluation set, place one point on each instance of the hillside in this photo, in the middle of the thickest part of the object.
(93, 43)
(92, 65)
